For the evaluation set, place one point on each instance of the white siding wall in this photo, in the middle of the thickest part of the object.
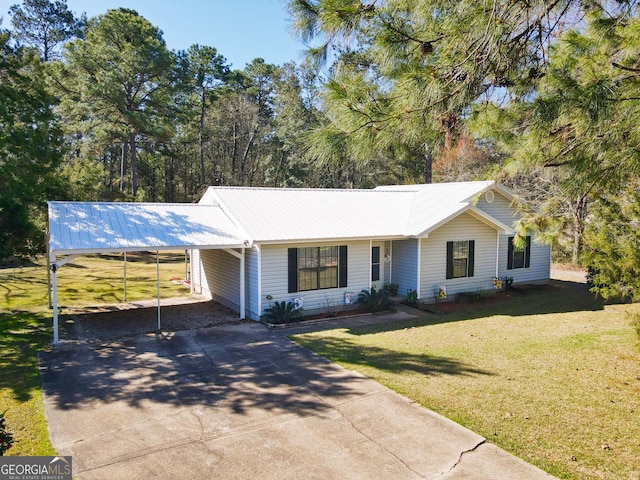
(540, 266)
(275, 275)
(434, 257)
(404, 269)
(221, 277)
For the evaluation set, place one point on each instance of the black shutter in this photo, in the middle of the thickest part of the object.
(510, 254)
(342, 266)
(527, 253)
(449, 259)
(471, 257)
(293, 270)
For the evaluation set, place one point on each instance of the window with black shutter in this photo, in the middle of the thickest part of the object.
(317, 268)
(519, 256)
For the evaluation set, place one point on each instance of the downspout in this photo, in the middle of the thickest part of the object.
(391, 261)
(497, 254)
(418, 272)
(259, 251)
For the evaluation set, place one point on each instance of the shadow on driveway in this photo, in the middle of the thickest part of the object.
(242, 401)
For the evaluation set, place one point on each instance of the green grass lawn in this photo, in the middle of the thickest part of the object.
(548, 374)
(25, 325)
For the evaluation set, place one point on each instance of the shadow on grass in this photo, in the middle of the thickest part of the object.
(393, 361)
(22, 335)
(557, 297)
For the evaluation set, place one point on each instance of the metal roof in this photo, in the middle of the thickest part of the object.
(234, 217)
(79, 227)
(280, 214)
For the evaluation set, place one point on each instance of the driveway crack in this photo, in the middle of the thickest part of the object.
(376, 442)
(462, 454)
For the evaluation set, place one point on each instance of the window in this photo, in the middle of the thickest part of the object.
(317, 268)
(375, 264)
(460, 258)
(519, 256)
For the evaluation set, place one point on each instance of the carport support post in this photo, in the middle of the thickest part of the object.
(124, 300)
(54, 282)
(158, 284)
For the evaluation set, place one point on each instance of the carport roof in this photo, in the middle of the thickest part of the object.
(80, 227)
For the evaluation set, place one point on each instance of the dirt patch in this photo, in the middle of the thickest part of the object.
(110, 322)
(568, 273)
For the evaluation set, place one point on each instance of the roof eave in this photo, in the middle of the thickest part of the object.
(88, 251)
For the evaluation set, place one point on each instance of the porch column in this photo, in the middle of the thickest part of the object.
(419, 265)
(242, 288)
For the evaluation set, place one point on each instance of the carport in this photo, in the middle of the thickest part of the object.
(81, 228)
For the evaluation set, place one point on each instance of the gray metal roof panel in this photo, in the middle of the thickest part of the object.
(75, 227)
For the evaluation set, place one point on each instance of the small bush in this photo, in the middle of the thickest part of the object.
(374, 300)
(412, 297)
(391, 289)
(281, 312)
(6, 438)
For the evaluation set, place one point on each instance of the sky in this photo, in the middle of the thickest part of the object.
(240, 30)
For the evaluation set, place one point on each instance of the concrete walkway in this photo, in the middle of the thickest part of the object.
(243, 402)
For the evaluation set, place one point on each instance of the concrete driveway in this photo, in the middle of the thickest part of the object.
(243, 402)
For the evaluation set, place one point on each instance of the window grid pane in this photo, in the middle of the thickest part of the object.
(317, 268)
(518, 258)
(308, 279)
(460, 259)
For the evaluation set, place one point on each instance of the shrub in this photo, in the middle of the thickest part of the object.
(281, 312)
(412, 297)
(391, 289)
(374, 300)
(6, 438)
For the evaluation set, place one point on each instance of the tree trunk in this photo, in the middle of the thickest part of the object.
(134, 164)
(201, 139)
(428, 164)
(123, 165)
(579, 214)
(234, 150)
(245, 155)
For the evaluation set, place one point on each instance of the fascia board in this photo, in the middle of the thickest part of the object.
(88, 251)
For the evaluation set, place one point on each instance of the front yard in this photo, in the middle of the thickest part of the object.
(548, 374)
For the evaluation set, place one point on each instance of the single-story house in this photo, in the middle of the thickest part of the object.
(317, 248)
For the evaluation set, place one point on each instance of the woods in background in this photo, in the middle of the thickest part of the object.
(540, 95)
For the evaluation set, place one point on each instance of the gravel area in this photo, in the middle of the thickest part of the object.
(111, 322)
